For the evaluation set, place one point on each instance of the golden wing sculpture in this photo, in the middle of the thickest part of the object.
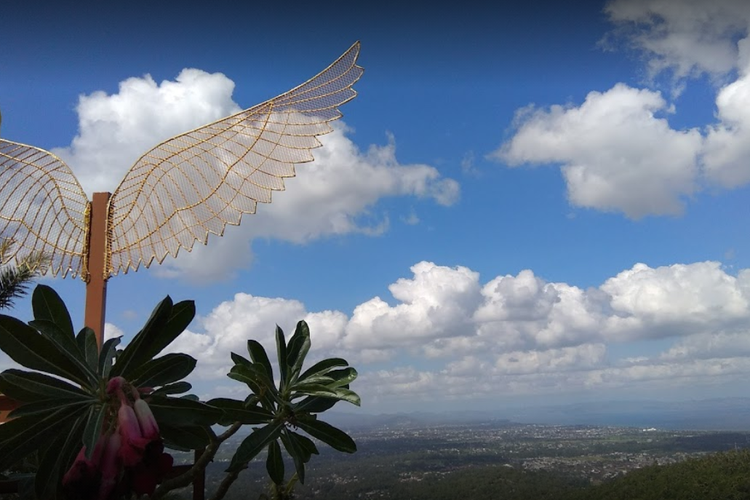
(179, 192)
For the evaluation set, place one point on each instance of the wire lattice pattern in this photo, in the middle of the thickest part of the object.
(184, 189)
(42, 207)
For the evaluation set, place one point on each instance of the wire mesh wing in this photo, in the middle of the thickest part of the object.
(198, 182)
(42, 208)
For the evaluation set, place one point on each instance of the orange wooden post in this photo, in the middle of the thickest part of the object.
(96, 293)
(96, 286)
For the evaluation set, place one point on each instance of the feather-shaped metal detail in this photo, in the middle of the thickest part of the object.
(42, 208)
(198, 182)
(179, 192)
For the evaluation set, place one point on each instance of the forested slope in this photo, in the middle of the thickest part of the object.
(720, 476)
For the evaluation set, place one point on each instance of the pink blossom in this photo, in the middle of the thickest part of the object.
(146, 420)
(83, 478)
(110, 466)
(151, 471)
(115, 384)
(133, 442)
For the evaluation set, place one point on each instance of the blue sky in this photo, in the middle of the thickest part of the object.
(524, 204)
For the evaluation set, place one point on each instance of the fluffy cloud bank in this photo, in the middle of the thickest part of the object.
(616, 153)
(617, 150)
(329, 197)
(685, 36)
(511, 335)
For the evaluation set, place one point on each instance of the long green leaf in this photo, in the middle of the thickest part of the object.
(239, 411)
(275, 463)
(254, 444)
(182, 412)
(31, 386)
(176, 388)
(57, 459)
(22, 436)
(130, 357)
(323, 367)
(107, 356)
(68, 347)
(258, 355)
(348, 396)
(339, 393)
(315, 404)
(343, 377)
(257, 372)
(335, 438)
(93, 429)
(299, 346)
(184, 438)
(281, 357)
(324, 380)
(32, 350)
(263, 396)
(297, 452)
(239, 360)
(305, 443)
(167, 321)
(164, 370)
(47, 305)
(255, 378)
(46, 407)
(312, 390)
(86, 341)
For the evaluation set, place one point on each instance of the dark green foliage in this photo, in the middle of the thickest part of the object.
(294, 404)
(63, 402)
(721, 476)
(373, 477)
(14, 280)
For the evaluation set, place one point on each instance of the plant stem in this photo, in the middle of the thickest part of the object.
(208, 455)
(225, 484)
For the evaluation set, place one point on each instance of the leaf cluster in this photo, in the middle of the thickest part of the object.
(281, 409)
(14, 280)
(61, 397)
(60, 400)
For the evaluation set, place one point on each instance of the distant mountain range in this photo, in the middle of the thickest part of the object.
(711, 414)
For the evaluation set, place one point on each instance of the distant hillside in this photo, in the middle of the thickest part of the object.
(721, 476)
(362, 421)
(723, 414)
(708, 414)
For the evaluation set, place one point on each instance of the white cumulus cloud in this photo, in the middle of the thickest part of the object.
(466, 338)
(726, 157)
(115, 130)
(675, 300)
(617, 150)
(616, 153)
(513, 335)
(685, 36)
(437, 303)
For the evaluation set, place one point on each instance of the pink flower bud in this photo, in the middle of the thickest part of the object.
(115, 384)
(149, 428)
(133, 442)
(154, 468)
(83, 477)
(110, 466)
